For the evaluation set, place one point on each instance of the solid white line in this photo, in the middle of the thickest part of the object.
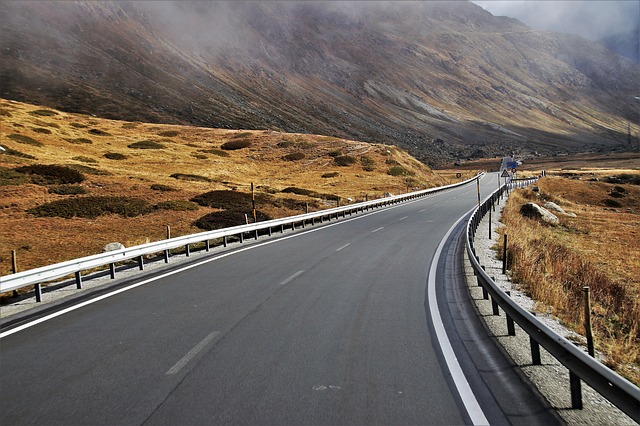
(291, 278)
(194, 265)
(379, 229)
(192, 353)
(464, 390)
(343, 247)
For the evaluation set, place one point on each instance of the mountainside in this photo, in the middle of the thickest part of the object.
(443, 80)
(626, 44)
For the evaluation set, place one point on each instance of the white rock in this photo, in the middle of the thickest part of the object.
(112, 247)
(534, 211)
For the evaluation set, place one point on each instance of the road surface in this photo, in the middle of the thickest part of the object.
(328, 325)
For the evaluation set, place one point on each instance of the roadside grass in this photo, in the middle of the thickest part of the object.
(599, 248)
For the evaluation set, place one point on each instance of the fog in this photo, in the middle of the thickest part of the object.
(590, 19)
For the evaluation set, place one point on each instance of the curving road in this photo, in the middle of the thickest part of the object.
(331, 324)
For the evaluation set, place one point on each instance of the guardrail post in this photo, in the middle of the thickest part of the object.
(270, 231)
(282, 228)
(187, 250)
(37, 288)
(207, 245)
(78, 280)
(494, 306)
(224, 241)
(504, 255)
(14, 268)
(489, 224)
(587, 321)
(242, 237)
(511, 329)
(535, 351)
(166, 256)
(140, 262)
(256, 234)
(576, 391)
(112, 270)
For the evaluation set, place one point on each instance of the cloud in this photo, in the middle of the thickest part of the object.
(590, 19)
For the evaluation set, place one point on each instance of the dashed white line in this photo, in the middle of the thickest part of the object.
(379, 229)
(343, 247)
(192, 353)
(402, 218)
(291, 278)
(420, 211)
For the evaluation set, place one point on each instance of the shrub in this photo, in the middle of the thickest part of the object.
(169, 133)
(99, 132)
(609, 202)
(11, 177)
(43, 112)
(88, 170)
(49, 174)
(85, 159)
(344, 160)
(305, 145)
(294, 156)
(41, 130)
(26, 140)
(398, 171)
(146, 145)
(285, 144)
(224, 199)
(199, 156)
(218, 152)
(68, 190)
(79, 140)
(177, 205)
(309, 193)
(236, 144)
(115, 156)
(330, 175)
(226, 219)
(335, 154)
(79, 126)
(368, 164)
(130, 125)
(13, 152)
(161, 187)
(193, 178)
(92, 207)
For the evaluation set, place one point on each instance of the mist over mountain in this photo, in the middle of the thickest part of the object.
(444, 80)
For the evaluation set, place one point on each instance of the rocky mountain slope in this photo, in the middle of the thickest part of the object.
(444, 80)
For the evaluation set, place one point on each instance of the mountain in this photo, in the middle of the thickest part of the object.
(626, 44)
(443, 80)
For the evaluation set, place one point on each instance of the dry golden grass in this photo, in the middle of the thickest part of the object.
(72, 139)
(599, 248)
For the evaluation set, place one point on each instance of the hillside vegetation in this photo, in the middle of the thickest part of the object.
(599, 248)
(69, 184)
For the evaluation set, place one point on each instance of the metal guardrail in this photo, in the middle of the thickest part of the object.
(38, 276)
(619, 391)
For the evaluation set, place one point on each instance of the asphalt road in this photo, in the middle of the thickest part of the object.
(329, 325)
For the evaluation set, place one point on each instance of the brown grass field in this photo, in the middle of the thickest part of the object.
(599, 248)
(80, 141)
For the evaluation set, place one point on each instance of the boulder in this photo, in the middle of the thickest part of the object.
(534, 211)
(556, 208)
(113, 246)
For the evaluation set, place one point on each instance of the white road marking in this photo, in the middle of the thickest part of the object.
(462, 385)
(291, 278)
(402, 218)
(343, 247)
(420, 211)
(379, 229)
(192, 353)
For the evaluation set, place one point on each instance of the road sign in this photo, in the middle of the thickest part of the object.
(512, 165)
(513, 170)
(505, 173)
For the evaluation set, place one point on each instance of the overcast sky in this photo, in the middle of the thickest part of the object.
(592, 19)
